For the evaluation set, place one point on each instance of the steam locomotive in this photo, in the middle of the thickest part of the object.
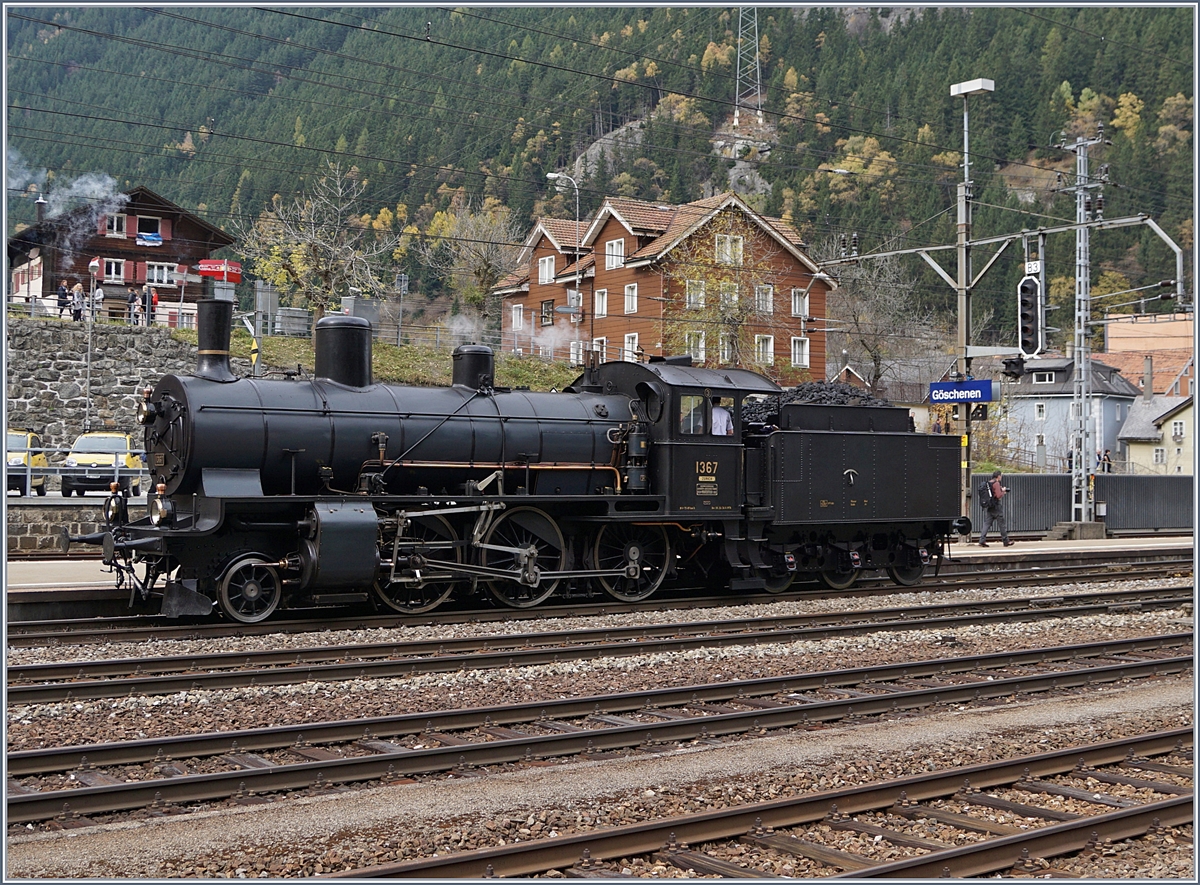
(293, 492)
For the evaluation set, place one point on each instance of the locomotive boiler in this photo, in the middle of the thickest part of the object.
(301, 491)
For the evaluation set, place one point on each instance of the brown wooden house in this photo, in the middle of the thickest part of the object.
(712, 278)
(141, 239)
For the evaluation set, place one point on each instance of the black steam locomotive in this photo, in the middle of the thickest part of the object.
(294, 492)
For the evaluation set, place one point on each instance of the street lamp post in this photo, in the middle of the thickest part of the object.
(555, 176)
(970, 87)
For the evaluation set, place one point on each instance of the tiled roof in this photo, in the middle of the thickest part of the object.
(1140, 422)
(645, 218)
(1168, 365)
(562, 231)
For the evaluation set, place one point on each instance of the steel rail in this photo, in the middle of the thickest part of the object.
(387, 766)
(23, 634)
(537, 856)
(27, 762)
(146, 666)
(485, 659)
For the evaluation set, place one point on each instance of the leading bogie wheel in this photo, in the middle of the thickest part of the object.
(645, 548)
(774, 583)
(250, 590)
(522, 528)
(427, 542)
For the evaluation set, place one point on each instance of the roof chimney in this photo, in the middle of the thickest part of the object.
(1148, 378)
(41, 208)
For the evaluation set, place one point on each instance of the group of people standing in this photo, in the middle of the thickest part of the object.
(141, 302)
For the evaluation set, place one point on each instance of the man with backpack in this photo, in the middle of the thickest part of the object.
(991, 492)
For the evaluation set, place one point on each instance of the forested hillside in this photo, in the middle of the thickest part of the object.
(220, 109)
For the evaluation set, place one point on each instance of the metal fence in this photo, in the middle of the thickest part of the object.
(28, 472)
(1036, 502)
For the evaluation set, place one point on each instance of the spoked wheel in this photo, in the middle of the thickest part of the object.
(620, 546)
(835, 579)
(250, 590)
(906, 576)
(521, 528)
(423, 585)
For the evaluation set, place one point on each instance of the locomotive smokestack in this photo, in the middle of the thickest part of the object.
(474, 366)
(213, 319)
(343, 350)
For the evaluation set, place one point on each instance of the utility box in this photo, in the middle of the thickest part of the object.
(367, 308)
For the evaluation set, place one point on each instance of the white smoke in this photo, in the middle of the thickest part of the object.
(19, 175)
(88, 198)
(464, 329)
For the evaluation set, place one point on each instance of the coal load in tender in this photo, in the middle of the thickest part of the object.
(821, 393)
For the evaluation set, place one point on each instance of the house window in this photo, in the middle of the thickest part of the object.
(630, 353)
(726, 347)
(546, 270)
(518, 317)
(764, 349)
(547, 313)
(764, 298)
(1039, 411)
(114, 270)
(631, 298)
(799, 303)
(600, 346)
(729, 295)
(600, 303)
(159, 274)
(694, 298)
(800, 353)
(1043, 377)
(693, 343)
(1177, 430)
(147, 225)
(729, 249)
(114, 226)
(614, 254)
(1160, 456)
(576, 353)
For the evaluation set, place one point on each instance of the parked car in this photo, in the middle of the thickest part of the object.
(21, 453)
(92, 462)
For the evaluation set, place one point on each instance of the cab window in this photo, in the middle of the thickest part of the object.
(691, 415)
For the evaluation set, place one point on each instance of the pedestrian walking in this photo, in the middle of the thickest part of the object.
(1107, 462)
(97, 302)
(992, 492)
(131, 298)
(64, 298)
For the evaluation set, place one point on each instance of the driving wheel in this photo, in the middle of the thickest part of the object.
(521, 529)
(643, 551)
(423, 584)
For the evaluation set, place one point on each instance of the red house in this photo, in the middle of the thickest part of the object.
(712, 278)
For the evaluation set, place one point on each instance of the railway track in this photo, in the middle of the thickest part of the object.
(150, 628)
(157, 675)
(68, 784)
(960, 805)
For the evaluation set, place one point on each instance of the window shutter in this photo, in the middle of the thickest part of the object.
(130, 227)
(103, 225)
(128, 269)
(164, 228)
(141, 272)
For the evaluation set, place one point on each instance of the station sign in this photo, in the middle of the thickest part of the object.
(220, 269)
(973, 391)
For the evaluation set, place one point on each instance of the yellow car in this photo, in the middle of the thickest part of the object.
(93, 461)
(21, 453)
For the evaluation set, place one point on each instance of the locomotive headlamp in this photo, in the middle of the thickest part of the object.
(112, 509)
(161, 509)
(147, 411)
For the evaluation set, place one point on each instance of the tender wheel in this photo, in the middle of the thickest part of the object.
(521, 528)
(250, 590)
(778, 583)
(835, 579)
(422, 586)
(619, 546)
(906, 577)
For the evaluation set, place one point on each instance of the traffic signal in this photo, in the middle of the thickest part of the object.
(1031, 325)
